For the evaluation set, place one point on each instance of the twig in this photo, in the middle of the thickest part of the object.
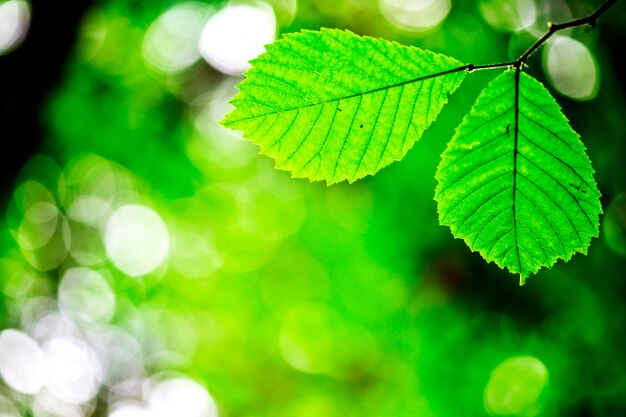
(553, 28)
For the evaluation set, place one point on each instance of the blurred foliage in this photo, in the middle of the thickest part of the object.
(282, 297)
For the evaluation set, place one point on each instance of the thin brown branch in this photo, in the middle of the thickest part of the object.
(553, 28)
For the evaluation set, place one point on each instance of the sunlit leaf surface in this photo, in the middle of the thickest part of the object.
(515, 182)
(332, 105)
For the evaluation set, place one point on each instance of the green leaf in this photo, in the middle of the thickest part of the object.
(515, 182)
(332, 105)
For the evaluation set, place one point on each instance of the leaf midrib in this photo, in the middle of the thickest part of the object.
(360, 94)
(515, 152)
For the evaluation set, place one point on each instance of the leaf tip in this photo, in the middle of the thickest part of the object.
(522, 280)
(227, 120)
(223, 121)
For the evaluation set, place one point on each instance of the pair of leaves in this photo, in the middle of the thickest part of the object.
(514, 183)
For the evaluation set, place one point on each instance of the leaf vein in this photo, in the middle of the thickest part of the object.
(479, 187)
(471, 171)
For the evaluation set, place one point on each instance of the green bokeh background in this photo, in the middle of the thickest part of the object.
(289, 298)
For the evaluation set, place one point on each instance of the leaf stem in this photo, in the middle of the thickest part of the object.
(553, 28)
(472, 67)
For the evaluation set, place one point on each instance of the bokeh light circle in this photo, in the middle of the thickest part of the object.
(508, 15)
(515, 385)
(415, 15)
(236, 34)
(74, 371)
(614, 224)
(44, 236)
(52, 324)
(180, 397)
(571, 68)
(136, 239)
(88, 209)
(118, 351)
(22, 363)
(171, 42)
(14, 24)
(47, 404)
(85, 296)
